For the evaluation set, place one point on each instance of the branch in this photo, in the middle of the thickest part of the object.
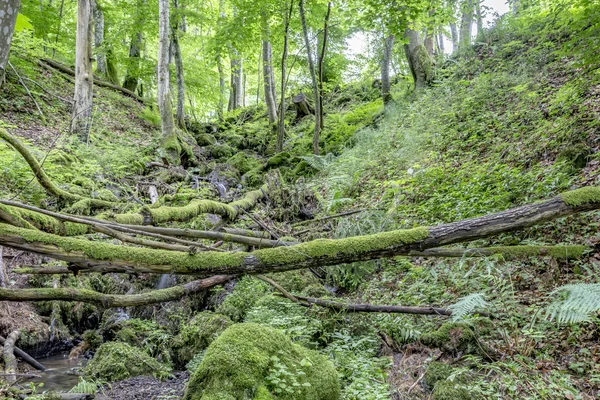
(26, 357)
(44, 179)
(323, 252)
(113, 300)
(507, 252)
(97, 81)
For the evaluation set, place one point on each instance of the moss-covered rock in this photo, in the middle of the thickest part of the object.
(278, 159)
(205, 139)
(197, 334)
(244, 162)
(244, 296)
(155, 340)
(116, 361)
(436, 371)
(250, 361)
(221, 150)
(453, 337)
(448, 390)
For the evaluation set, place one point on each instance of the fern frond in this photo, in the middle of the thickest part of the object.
(84, 387)
(575, 303)
(320, 163)
(467, 305)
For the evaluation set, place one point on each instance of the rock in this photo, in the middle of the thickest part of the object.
(250, 361)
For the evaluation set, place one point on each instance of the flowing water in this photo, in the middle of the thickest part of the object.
(60, 374)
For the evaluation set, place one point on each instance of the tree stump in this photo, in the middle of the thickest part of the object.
(302, 107)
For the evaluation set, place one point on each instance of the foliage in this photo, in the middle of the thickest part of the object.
(574, 303)
(467, 305)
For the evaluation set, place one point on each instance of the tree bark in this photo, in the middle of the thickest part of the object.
(3, 274)
(282, 106)
(180, 113)
(454, 37)
(26, 357)
(302, 107)
(466, 25)
(170, 141)
(84, 78)
(268, 79)
(113, 300)
(441, 42)
(479, 16)
(9, 9)
(104, 257)
(235, 93)
(313, 75)
(321, 61)
(98, 15)
(338, 306)
(10, 361)
(385, 69)
(133, 69)
(419, 60)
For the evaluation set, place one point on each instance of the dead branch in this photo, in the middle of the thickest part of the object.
(10, 361)
(26, 357)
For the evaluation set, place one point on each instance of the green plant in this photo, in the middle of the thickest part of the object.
(574, 303)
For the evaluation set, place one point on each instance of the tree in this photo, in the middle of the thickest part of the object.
(180, 113)
(98, 15)
(84, 78)
(268, 76)
(466, 25)
(311, 66)
(132, 75)
(8, 19)
(284, 55)
(419, 60)
(385, 69)
(320, 62)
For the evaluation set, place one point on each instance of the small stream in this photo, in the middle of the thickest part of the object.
(60, 374)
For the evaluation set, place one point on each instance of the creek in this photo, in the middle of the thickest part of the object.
(60, 374)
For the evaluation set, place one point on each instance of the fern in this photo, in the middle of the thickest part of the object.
(467, 305)
(575, 303)
(320, 163)
(84, 387)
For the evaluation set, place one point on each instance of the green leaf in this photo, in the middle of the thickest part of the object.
(23, 24)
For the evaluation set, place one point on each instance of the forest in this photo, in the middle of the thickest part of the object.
(299, 199)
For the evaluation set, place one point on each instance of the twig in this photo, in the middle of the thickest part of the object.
(261, 224)
(344, 214)
(415, 384)
(28, 92)
(277, 286)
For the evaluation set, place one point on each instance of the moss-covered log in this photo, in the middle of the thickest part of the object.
(507, 252)
(45, 180)
(107, 257)
(113, 300)
(151, 216)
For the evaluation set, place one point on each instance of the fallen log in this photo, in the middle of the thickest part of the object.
(105, 257)
(97, 81)
(113, 300)
(26, 357)
(66, 396)
(10, 361)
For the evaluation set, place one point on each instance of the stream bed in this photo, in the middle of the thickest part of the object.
(60, 374)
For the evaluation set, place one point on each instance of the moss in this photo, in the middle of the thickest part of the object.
(254, 177)
(278, 159)
(448, 390)
(93, 339)
(205, 139)
(244, 362)
(436, 371)
(197, 334)
(303, 168)
(453, 337)
(220, 150)
(512, 252)
(579, 197)
(34, 220)
(246, 293)
(117, 361)
(243, 162)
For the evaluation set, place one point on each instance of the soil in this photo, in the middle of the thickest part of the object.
(146, 388)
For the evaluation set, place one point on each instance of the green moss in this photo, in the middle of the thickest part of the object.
(243, 162)
(34, 220)
(247, 359)
(205, 139)
(93, 339)
(448, 390)
(278, 159)
(246, 293)
(197, 334)
(117, 361)
(453, 337)
(436, 371)
(220, 150)
(579, 197)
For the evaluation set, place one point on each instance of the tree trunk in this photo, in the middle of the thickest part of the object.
(321, 60)
(3, 275)
(221, 104)
(9, 10)
(313, 75)
(281, 124)
(441, 43)
(170, 142)
(479, 16)
(180, 114)
(419, 60)
(268, 79)
(84, 78)
(235, 93)
(466, 25)
(99, 38)
(454, 34)
(302, 107)
(385, 69)
(133, 69)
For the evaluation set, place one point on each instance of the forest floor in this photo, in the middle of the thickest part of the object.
(513, 122)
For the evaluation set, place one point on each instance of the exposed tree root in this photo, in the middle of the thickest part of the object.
(113, 300)
(26, 357)
(10, 361)
(46, 182)
(104, 257)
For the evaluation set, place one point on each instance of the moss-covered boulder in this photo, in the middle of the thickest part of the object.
(452, 337)
(221, 150)
(436, 371)
(278, 159)
(197, 334)
(116, 361)
(250, 361)
(448, 390)
(205, 139)
(244, 162)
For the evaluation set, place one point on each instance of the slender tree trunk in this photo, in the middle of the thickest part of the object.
(267, 58)
(441, 42)
(9, 10)
(385, 69)
(454, 34)
(3, 274)
(180, 114)
(84, 77)
(170, 142)
(99, 38)
(235, 93)
(60, 17)
(313, 74)
(479, 16)
(221, 105)
(321, 60)
(419, 60)
(281, 124)
(133, 68)
(514, 6)
(466, 25)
